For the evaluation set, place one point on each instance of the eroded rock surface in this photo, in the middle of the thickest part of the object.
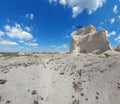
(60, 78)
(88, 40)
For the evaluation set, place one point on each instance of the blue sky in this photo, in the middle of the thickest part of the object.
(46, 25)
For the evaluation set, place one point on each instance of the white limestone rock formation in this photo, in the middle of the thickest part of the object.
(88, 40)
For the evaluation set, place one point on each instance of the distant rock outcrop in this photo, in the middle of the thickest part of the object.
(117, 48)
(88, 40)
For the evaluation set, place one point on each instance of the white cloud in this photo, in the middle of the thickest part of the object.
(78, 6)
(106, 32)
(64, 46)
(28, 29)
(119, 17)
(112, 20)
(59, 47)
(17, 32)
(29, 16)
(53, 46)
(5, 42)
(34, 40)
(63, 2)
(115, 9)
(2, 33)
(111, 34)
(52, 1)
(31, 44)
(21, 41)
(118, 39)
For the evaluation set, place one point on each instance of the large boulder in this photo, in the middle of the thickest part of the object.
(88, 40)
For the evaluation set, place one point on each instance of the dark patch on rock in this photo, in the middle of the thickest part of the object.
(0, 98)
(82, 94)
(34, 92)
(5, 71)
(71, 73)
(79, 72)
(86, 98)
(3, 81)
(97, 93)
(96, 97)
(73, 96)
(62, 73)
(42, 98)
(118, 85)
(76, 102)
(35, 102)
(8, 102)
(77, 86)
(28, 90)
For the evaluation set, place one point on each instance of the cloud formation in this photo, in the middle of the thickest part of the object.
(119, 17)
(17, 32)
(2, 33)
(111, 34)
(118, 39)
(29, 16)
(115, 9)
(5, 42)
(112, 20)
(63, 46)
(31, 44)
(28, 29)
(78, 6)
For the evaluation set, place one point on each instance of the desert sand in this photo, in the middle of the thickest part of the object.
(60, 78)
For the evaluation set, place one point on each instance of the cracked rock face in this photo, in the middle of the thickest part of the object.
(88, 40)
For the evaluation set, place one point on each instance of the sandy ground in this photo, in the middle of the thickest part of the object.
(37, 78)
